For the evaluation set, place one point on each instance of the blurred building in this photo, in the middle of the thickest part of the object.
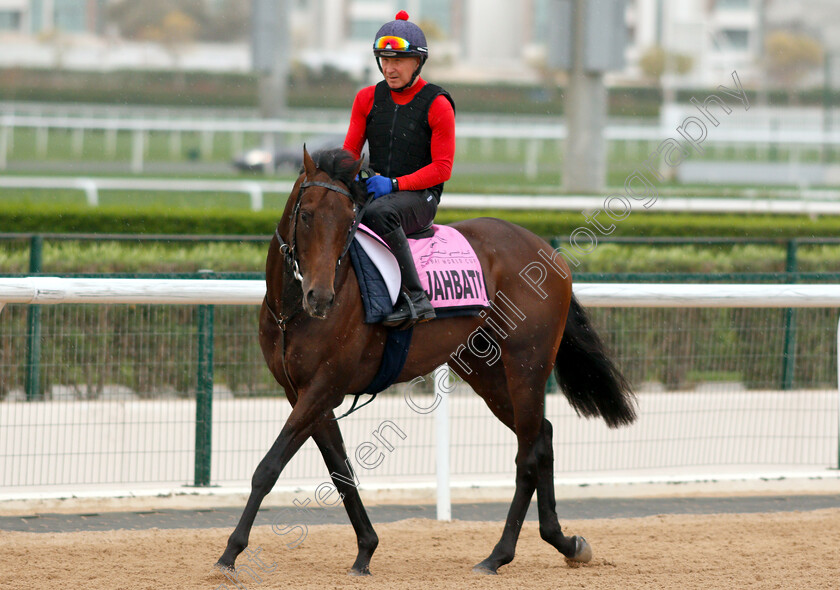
(470, 40)
(41, 17)
(506, 40)
(717, 35)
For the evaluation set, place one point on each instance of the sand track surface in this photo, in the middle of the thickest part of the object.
(767, 551)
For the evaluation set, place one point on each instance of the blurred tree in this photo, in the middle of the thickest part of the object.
(789, 57)
(177, 31)
(144, 20)
(432, 30)
(59, 43)
(656, 61)
(230, 21)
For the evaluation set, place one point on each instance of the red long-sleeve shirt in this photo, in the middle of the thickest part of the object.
(441, 121)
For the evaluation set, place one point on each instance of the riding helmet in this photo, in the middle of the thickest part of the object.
(401, 38)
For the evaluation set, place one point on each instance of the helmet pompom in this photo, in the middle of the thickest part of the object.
(401, 15)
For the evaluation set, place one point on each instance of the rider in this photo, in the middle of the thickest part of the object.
(409, 125)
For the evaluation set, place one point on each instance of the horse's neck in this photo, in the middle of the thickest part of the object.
(291, 294)
(282, 290)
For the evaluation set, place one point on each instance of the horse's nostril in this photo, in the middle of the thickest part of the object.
(319, 300)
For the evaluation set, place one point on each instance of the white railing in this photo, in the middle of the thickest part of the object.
(531, 132)
(54, 291)
(92, 186)
(139, 128)
(256, 190)
(499, 129)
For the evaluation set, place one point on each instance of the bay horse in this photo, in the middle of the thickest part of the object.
(317, 346)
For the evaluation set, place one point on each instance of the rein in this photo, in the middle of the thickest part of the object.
(289, 252)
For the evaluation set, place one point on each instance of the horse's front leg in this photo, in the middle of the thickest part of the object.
(328, 438)
(307, 413)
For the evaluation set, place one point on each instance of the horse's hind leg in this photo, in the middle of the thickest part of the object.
(574, 548)
(330, 443)
(527, 400)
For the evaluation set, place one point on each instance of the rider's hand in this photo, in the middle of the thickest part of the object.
(381, 185)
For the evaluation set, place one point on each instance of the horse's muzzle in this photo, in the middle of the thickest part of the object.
(317, 302)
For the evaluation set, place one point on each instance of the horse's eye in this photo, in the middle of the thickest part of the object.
(305, 217)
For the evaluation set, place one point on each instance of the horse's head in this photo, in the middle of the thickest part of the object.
(328, 205)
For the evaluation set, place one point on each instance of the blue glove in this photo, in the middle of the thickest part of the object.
(381, 185)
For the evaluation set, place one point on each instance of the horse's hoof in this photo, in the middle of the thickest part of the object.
(583, 551)
(484, 570)
(223, 567)
(359, 572)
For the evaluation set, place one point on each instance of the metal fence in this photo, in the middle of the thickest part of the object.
(132, 395)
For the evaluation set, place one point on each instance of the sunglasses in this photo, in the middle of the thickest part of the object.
(391, 42)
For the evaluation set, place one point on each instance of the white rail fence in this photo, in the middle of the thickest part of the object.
(530, 132)
(256, 191)
(55, 290)
(795, 435)
(498, 130)
(93, 186)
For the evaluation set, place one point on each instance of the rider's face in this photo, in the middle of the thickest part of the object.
(398, 70)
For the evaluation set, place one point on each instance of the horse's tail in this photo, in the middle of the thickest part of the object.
(588, 377)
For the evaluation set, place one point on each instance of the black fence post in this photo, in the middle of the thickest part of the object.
(32, 383)
(789, 355)
(204, 396)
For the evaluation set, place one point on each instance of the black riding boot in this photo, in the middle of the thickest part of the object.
(412, 305)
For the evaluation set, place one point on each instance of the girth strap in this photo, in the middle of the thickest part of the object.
(393, 360)
(353, 407)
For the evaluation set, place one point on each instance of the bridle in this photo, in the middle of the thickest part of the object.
(289, 249)
(291, 270)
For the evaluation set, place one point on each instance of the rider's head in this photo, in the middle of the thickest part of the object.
(400, 39)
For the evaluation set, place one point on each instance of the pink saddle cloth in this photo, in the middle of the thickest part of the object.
(447, 265)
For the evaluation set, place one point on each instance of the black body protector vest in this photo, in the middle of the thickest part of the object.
(399, 136)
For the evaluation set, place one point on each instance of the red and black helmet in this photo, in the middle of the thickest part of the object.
(401, 38)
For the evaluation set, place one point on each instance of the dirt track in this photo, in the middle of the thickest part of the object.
(781, 550)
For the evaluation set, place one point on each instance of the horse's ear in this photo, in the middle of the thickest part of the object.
(308, 164)
(357, 168)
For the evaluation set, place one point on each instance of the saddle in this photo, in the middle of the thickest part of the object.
(447, 265)
(449, 271)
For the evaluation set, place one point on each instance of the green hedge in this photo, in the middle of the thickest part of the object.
(327, 89)
(129, 87)
(82, 219)
(647, 224)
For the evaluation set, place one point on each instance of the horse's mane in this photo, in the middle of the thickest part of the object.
(341, 165)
